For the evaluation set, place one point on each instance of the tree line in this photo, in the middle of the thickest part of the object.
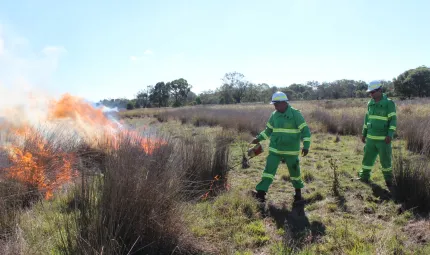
(175, 93)
(236, 89)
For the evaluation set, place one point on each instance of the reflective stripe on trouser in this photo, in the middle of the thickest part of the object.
(272, 164)
(372, 149)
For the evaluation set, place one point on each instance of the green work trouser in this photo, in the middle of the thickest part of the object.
(272, 164)
(371, 151)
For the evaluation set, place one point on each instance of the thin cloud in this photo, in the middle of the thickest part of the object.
(148, 52)
(134, 58)
(20, 64)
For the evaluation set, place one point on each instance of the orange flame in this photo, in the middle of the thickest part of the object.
(77, 109)
(41, 167)
(211, 189)
(91, 121)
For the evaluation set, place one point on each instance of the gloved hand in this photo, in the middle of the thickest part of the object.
(305, 152)
(387, 140)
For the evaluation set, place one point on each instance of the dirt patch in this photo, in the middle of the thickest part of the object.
(418, 231)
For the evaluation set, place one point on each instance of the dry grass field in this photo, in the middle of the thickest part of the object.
(169, 181)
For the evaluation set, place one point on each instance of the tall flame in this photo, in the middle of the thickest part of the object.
(46, 168)
(40, 167)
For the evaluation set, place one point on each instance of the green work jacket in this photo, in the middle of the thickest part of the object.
(380, 120)
(285, 131)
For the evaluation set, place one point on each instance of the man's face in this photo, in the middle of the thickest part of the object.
(375, 94)
(281, 106)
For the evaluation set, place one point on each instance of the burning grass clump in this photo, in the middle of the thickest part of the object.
(136, 205)
(204, 161)
(34, 163)
(132, 208)
(40, 161)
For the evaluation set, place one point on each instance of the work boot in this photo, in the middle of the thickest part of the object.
(259, 195)
(298, 196)
(391, 188)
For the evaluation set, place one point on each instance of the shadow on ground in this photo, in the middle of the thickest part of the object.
(417, 205)
(379, 192)
(298, 229)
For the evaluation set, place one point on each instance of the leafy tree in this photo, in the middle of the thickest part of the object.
(360, 85)
(419, 80)
(252, 93)
(360, 94)
(179, 89)
(120, 103)
(306, 95)
(265, 92)
(235, 83)
(290, 93)
(142, 99)
(413, 82)
(226, 94)
(160, 94)
(209, 97)
(313, 84)
(130, 106)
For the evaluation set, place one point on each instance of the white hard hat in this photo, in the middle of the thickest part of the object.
(373, 85)
(279, 97)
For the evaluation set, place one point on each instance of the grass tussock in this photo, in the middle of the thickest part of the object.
(414, 127)
(136, 205)
(204, 163)
(13, 197)
(27, 173)
(340, 121)
(123, 198)
(412, 182)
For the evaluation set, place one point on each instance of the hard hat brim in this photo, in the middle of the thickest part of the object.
(273, 102)
(370, 90)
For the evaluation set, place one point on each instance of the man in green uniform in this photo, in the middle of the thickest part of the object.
(378, 129)
(286, 128)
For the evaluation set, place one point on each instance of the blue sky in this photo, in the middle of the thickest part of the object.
(109, 49)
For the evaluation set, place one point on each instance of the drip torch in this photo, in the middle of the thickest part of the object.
(252, 152)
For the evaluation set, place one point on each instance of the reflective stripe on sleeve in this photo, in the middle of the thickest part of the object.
(302, 125)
